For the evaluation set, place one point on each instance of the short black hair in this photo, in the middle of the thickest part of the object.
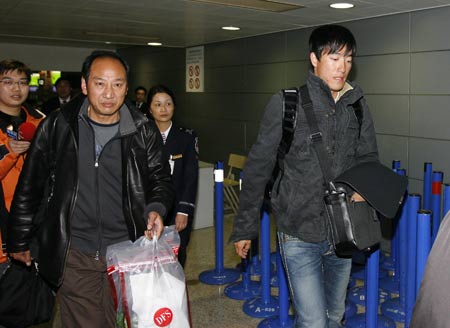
(140, 88)
(86, 68)
(9, 65)
(160, 88)
(61, 79)
(330, 39)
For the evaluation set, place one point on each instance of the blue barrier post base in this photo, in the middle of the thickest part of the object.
(275, 322)
(394, 309)
(358, 295)
(351, 283)
(387, 263)
(259, 308)
(390, 284)
(350, 309)
(274, 281)
(254, 267)
(240, 291)
(212, 277)
(360, 273)
(359, 321)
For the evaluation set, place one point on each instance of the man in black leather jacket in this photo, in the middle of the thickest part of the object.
(95, 175)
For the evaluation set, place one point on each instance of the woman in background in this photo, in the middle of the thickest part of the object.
(181, 145)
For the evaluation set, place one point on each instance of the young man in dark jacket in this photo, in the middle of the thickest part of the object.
(317, 277)
(96, 174)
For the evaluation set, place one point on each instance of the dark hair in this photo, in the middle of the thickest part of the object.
(61, 79)
(160, 89)
(86, 68)
(140, 88)
(9, 65)
(330, 39)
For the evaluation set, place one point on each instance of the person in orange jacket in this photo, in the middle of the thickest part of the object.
(17, 123)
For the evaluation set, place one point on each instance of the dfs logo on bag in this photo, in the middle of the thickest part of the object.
(163, 317)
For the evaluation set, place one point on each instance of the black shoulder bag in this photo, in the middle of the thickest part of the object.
(354, 226)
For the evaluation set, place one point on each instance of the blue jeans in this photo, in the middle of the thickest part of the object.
(317, 280)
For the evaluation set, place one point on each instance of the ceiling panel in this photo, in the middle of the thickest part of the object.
(175, 23)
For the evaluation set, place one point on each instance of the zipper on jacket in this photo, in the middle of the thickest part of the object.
(128, 194)
(97, 203)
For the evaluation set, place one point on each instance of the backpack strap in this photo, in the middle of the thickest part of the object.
(357, 107)
(290, 105)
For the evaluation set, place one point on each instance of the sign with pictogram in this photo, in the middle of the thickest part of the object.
(194, 69)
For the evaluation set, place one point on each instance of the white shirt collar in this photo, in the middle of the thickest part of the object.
(166, 133)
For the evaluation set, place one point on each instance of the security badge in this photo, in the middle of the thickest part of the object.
(172, 161)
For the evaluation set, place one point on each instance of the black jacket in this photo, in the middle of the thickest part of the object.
(181, 146)
(49, 184)
(298, 203)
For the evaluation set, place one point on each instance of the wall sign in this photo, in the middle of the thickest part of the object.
(194, 69)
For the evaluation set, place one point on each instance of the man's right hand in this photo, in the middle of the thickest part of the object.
(242, 247)
(18, 146)
(24, 257)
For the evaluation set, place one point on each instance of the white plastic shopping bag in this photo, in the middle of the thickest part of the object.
(148, 283)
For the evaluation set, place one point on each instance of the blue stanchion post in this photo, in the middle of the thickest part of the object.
(394, 308)
(396, 164)
(219, 275)
(436, 196)
(388, 263)
(391, 283)
(427, 175)
(371, 319)
(446, 206)
(266, 305)
(244, 289)
(283, 320)
(413, 207)
(423, 244)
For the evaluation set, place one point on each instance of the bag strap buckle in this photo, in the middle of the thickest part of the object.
(316, 136)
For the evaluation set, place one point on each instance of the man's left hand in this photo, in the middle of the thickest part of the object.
(155, 225)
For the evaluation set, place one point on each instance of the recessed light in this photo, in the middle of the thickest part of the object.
(108, 42)
(342, 5)
(155, 44)
(231, 28)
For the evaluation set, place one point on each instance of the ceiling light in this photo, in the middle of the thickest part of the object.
(264, 5)
(231, 28)
(108, 42)
(342, 5)
(155, 44)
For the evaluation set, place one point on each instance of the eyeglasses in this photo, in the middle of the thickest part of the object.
(9, 83)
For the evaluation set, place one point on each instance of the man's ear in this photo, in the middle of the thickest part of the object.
(313, 59)
(83, 86)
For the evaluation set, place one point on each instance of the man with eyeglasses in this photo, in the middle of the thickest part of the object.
(15, 117)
